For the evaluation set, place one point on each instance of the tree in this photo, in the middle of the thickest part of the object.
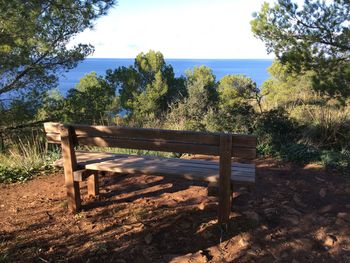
(202, 96)
(235, 112)
(235, 90)
(91, 101)
(34, 37)
(313, 38)
(147, 88)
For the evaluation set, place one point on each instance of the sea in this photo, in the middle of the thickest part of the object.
(256, 69)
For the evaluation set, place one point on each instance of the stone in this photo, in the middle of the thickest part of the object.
(242, 242)
(269, 211)
(292, 219)
(322, 192)
(326, 209)
(340, 222)
(297, 200)
(344, 216)
(330, 240)
(252, 215)
(148, 239)
(291, 210)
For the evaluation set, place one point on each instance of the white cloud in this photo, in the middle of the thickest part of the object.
(179, 29)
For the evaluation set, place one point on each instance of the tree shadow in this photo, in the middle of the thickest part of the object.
(139, 219)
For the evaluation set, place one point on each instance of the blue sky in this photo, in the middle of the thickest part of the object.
(177, 28)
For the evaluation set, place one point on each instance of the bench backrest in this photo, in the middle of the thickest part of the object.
(243, 146)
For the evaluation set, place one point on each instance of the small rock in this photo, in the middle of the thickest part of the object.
(344, 216)
(294, 220)
(201, 206)
(340, 222)
(148, 239)
(252, 215)
(322, 192)
(291, 210)
(243, 243)
(269, 211)
(298, 201)
(330, 240)
(326, 209)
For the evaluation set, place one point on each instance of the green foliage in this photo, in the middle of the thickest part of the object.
(92, 100)
(33, 40)
(299, 153)
(190, 113)
(147, 88)
(315, 37)
(274, 129)
(25, 160)
(236, 90)
(336, 160)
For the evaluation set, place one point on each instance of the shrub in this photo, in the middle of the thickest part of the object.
(336, 160)
(274, 128)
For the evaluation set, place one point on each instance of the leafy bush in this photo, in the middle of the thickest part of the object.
(274, 129)
(299, 153)
(26, 160)
(336, 160)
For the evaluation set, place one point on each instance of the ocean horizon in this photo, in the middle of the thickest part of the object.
(256, 69)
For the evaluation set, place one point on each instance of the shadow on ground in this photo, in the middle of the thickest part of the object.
(293, 214)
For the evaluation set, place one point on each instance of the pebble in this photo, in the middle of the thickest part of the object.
(344, 216)
(252, 215)
(330, 241)
(322, 192)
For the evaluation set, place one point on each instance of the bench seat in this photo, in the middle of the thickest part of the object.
(192, 169)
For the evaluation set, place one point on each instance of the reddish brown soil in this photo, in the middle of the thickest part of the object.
(293, 214)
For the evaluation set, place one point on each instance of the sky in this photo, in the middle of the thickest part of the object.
(213, 29)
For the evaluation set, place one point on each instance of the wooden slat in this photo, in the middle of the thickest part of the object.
(181, 167)
(151, 134)
(52, 127)
(84, 158)
(53, 138)
(243, 140)
(244, 153)
(239, 140)
(148, 145)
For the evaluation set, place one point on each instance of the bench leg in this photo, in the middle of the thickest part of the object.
(93, 185)
(73, 196)
(225, 179)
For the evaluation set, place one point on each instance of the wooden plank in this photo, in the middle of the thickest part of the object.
(53, 138)
(244, 141)
(144, 133)
(148, 145)
(225, 179)
(179, 165)
(239, 140)
(93, 184)
(70, 165)
(123, 166)
(84, 157)
(81, 175)
(52, 127)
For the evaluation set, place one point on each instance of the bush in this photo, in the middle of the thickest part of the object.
(25, 160)
(299, 153)
(336, 160)
(274, 129)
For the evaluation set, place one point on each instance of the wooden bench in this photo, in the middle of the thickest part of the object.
(81, 165)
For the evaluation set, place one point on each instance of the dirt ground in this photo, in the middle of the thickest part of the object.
(293, 214)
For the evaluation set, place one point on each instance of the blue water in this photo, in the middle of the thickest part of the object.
(256, 69)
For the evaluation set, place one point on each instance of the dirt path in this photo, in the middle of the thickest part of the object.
(292, 215)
